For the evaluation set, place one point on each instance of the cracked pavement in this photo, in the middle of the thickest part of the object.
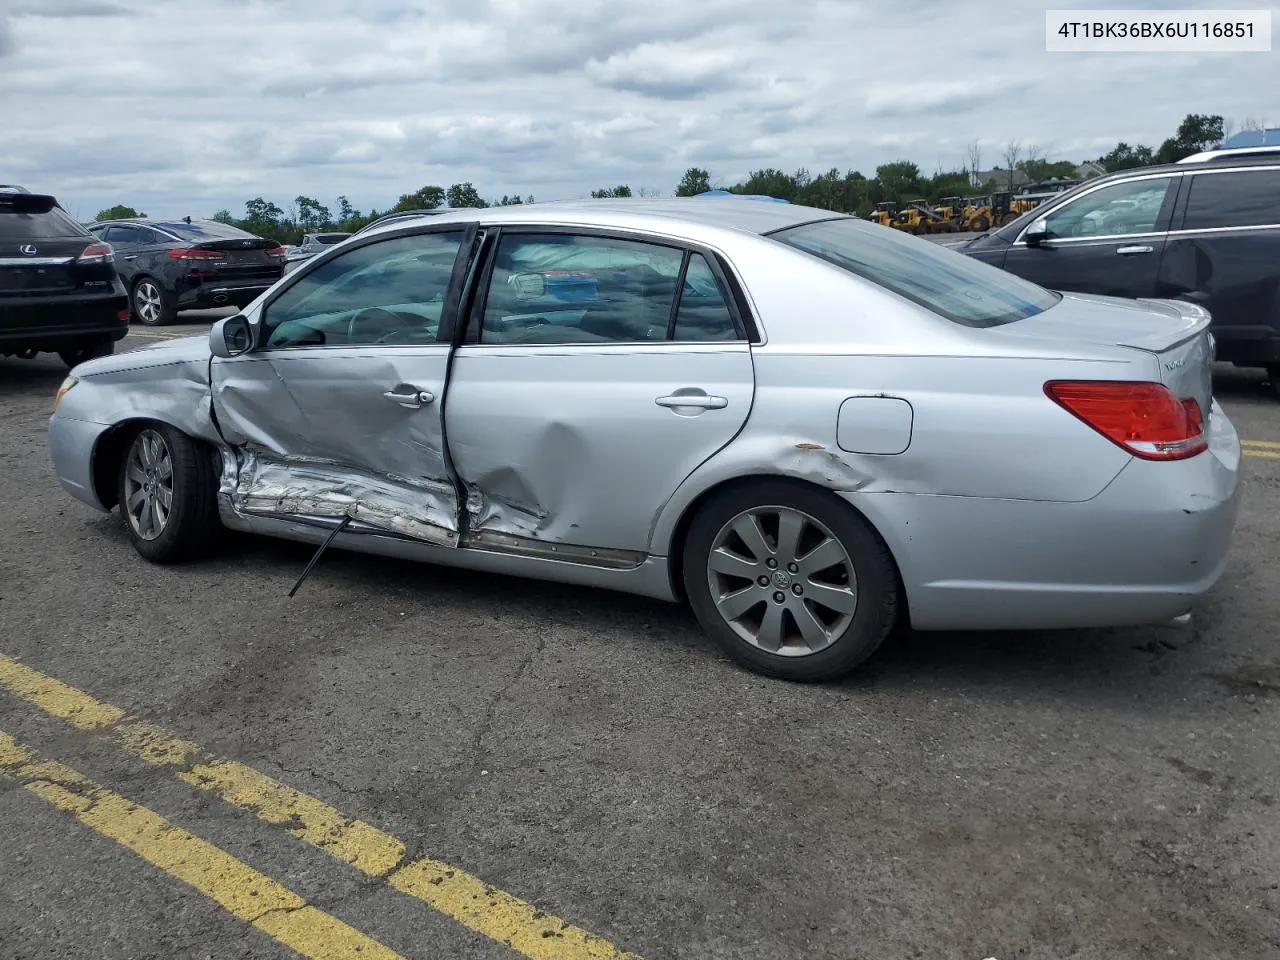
(1091, 794)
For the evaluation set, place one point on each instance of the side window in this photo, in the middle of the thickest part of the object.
(1245, 199)
(704, 312)
(386, 293)
(122, 235)
(560, 288)
(1122, 208)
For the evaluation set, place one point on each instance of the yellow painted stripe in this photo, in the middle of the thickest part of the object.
(454, 892)
(244, 892)
(1265, 454)
(1264, 444)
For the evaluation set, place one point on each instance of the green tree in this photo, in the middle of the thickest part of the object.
(509, 201)
(224, 216)
(464, 195)
(428, 198)
(608, 192)
(346, 212)
(118, 212)
(899, 180)
(953, 183)
(1198, 131)
(1044, 170)
(695, 181)
(1125, 157)
(772, 182)
(312, 214)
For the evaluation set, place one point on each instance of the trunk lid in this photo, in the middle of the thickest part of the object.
(243, 258)
(1175, 332)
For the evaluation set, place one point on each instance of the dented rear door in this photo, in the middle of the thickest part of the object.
(337, 412)
(582, 399)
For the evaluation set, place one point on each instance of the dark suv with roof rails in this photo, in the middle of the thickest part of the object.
(58, 287)
(172, 265)
(1205, 230)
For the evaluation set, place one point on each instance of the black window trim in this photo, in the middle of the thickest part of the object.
(743, 321)
(1182, 230)
(462, 227)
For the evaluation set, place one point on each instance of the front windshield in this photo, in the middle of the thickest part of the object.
(952, 285)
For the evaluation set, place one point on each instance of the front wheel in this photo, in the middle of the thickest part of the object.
(167, 491)
(790, 580)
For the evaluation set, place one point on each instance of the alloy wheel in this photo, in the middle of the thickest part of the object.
(782, 581)
(148, 301)
(148, 485)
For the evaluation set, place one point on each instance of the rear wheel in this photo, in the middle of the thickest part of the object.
(167, 490)
(89, 350)
(978, 224)
(790, 580)
(152, 306)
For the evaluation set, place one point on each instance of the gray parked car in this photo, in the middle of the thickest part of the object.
(805, 425)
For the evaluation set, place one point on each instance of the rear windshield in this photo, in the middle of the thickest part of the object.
(202, 230)
(331, 237)
(48, 225)
(960, 288)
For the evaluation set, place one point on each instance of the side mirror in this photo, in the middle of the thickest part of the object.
(230, 337)
(1037, 233)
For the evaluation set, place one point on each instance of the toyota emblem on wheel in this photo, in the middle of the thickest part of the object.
(28, 249)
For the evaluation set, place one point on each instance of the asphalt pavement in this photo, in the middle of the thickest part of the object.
(404, 760)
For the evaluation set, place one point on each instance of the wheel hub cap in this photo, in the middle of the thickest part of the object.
(782, 581)
(148, 485)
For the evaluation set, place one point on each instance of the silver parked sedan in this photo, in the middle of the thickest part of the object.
(804, 424)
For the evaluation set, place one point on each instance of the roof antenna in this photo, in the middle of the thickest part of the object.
(186, 219)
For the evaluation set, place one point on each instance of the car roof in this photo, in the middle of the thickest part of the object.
(740, 214)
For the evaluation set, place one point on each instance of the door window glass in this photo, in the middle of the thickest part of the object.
(391, 292)
(122, 235)
(1245, 199)
(561, 288)
(704, 312)
(1122, 208)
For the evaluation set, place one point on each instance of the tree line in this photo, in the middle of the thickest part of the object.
(900, 181)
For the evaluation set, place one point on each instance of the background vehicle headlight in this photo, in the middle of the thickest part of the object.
(67, 384)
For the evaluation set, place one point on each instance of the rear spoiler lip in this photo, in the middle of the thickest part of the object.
(1195, 320)
(27, 202)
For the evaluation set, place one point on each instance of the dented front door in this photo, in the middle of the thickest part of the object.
(337, 412)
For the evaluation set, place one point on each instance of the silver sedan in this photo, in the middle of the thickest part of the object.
(804, 425)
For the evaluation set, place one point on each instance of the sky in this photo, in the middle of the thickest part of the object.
(184, 107)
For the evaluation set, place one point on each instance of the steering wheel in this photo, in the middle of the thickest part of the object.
(377, 318)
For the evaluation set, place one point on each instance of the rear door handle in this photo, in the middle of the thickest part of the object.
(1126, 251)
(409, 397)
(693, 400)
(132, 256)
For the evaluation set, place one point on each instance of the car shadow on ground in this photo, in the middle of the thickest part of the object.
(19, 375)
(1093, 667)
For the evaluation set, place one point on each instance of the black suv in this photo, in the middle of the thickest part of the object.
(58, 287)
(1206, 230)
(172, 265)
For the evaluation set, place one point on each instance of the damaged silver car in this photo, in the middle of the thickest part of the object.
(806, 426)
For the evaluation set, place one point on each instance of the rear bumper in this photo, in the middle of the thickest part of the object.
(52, 323)
(218, 293)
(71, 446)
(1142, 551)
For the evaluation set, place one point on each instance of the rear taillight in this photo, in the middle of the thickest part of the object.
(122, 314)
(192, 254)
(97, 253)
(1146, 419)
(276, 252)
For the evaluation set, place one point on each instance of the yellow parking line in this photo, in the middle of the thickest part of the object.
(244, 892)
(454, 892)
(159, 336)
(1264, 444)
(1265, 454)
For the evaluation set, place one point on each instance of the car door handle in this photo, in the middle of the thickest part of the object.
(692, 400)
(131, 256)
(410, 399)
(1126, 251)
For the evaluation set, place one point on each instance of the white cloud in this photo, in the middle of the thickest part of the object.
(180, 107)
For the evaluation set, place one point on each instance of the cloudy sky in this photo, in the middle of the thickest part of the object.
(185, 106)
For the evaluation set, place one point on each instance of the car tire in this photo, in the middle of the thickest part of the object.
(150, 304)
(89, 350)
(734, 582)
(978, 225)
(1273, 378)
(162, 463)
